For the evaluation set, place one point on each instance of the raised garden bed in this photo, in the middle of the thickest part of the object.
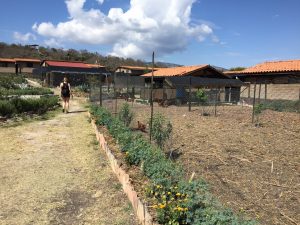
(172, 198)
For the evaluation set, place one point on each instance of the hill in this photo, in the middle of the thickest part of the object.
(40, 52)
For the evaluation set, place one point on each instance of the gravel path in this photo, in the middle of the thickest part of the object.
(52, 172)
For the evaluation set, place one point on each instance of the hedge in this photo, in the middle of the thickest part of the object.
(9, 108)
(25, 91)
(177, 200)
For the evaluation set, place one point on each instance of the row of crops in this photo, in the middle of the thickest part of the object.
(17, 97)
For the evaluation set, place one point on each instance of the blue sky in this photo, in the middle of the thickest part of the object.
(223, 33)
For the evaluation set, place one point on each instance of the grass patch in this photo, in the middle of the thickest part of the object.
(22, 119)
(282, 106)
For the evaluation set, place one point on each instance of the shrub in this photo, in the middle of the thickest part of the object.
(25, 91)
(201, 96)
(7, 109)
(18, 105)
(125, 114)
(161, 130)
(11, 80)
(82, 88)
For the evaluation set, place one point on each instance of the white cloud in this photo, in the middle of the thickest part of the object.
(23, 38)
(163, 26)
(100, 1)
(52, 42)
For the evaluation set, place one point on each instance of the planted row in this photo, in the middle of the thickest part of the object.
(176, 200)
(25, 91)
(9, 108)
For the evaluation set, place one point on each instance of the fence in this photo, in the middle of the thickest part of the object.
(247, 102)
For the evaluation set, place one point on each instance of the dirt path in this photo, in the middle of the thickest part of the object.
(51, 172)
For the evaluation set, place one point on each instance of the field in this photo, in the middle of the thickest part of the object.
(251, 169)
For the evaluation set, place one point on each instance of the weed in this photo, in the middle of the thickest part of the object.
(161, 130)
(125, 114)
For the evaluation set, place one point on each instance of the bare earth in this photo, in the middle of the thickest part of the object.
(52, 172)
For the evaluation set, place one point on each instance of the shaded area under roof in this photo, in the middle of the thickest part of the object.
(197, 82)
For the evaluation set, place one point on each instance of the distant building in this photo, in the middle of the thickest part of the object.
(171, 83)
(53, 72)
(133, 70)
(7, 65)
(273, 80)
(18, 65)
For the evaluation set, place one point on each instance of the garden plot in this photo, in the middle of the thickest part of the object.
(252, 170)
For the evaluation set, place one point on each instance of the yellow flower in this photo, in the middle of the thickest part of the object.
(186, 209)
(177, 194)
(155, 206)
(169, 193)
(157, 186)
(161, 206)
(126, 153)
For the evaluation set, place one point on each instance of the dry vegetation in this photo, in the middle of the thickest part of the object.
(52, 172)
(251, 169)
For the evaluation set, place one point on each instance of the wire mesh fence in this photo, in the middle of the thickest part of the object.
(249, 102)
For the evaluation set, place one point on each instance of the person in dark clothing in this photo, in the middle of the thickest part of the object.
(65, 90)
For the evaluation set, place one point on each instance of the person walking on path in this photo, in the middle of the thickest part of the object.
(65, 89)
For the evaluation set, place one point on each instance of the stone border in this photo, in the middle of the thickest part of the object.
(139, 207)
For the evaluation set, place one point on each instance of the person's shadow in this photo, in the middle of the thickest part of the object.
(78, 111)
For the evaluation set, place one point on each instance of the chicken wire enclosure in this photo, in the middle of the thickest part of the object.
(225, 98)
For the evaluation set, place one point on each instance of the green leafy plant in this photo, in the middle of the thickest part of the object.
(161, 130)
(125, 114)
(8, 108)
(201, 96)
(25, 91)
(176, 200)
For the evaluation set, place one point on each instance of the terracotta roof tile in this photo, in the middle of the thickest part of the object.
(27, 60)
(94, 65)
(7, 60)
(273, 67)
(67, 64)
(138, 67)
(175, 71)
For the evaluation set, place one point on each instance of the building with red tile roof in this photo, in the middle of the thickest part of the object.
(133, 70)
(18, 65)
(53, 72)
(276, 80)
(200, 70)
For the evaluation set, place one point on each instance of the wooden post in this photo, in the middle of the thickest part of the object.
(127, 84)
(100, 86)
(253, 110)
(116, 96)
(229, 95)
(190, 94)
(259, 91)
(266, 90)
(216, 98)
(151, 97)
